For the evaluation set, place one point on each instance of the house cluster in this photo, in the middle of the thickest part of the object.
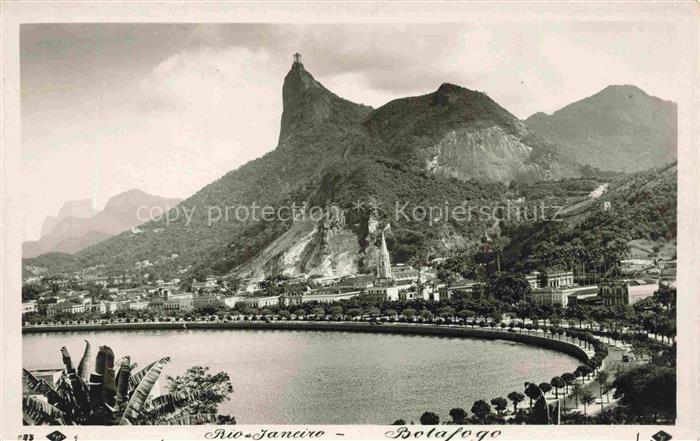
(389, 282)
(73, 302)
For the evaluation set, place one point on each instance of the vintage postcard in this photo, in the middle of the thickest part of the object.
(404, 221)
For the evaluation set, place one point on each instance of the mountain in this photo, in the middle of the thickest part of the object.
(77, 226)
(464, 134)
(80, 209)
(355, 165)
(620, 128)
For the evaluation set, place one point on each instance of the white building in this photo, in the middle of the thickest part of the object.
(65, 308)
(261, 302)
(231, 301)
(29, 307)
(626, 292)
(550, 296)
(384, 292)
(137, 305)
(555, 279)
(209, 283)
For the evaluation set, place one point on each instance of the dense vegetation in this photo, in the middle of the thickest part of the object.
(592, 240)
(103, 397)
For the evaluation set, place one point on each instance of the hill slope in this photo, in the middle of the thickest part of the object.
(642, 207)
(620, 128)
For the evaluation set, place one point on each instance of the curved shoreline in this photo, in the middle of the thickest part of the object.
(406, 329)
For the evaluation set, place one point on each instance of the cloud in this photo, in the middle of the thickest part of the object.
(219, 111)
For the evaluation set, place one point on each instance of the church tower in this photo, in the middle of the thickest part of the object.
(384, 264)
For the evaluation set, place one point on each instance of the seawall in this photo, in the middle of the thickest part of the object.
(534, 339)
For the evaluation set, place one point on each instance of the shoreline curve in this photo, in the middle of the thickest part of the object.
(542, 341)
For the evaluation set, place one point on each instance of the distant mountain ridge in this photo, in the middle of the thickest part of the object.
(78, 225)
(445, 147)
(620, 128)
(81, 209)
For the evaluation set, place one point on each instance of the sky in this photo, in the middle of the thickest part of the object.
(169, 108)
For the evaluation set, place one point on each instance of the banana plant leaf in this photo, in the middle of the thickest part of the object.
(140, 394)
(83, 366)
(41, 386)
(79, 391)
(123, 375)
(37, 412)
(165, 405)
(192, 420)
(136, 379)
(104, 365)
(67, 362)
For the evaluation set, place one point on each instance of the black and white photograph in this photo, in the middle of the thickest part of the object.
(438, 228)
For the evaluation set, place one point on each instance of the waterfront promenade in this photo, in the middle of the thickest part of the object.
(532, 337)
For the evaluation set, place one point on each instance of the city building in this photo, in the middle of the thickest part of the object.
(555, 279)
(207, 284)
(203, 301)
(626, 292)
(357, 282)
(329, 295)
(65, 308)
(402, 273)
(466, 286)
(550, 296)
(179, 302)
(29, 307)
(261, 302)
(137, 305)
(384, 292)
(231, 301)
(324, 281)
(99, 307)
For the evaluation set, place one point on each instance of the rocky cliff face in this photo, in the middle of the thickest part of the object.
(620, 128)
(484, 154)
(307, 105)
(325, 248)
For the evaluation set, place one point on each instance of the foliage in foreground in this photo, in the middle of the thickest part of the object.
(105, 398)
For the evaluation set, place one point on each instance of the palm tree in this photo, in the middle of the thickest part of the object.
(569, 379)
(602, 379)
(500, 404)
(532, 392)
(576, 391)
(587, 398)
(103, 398)
(516, 398)
(557, 383)
(545, 387)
